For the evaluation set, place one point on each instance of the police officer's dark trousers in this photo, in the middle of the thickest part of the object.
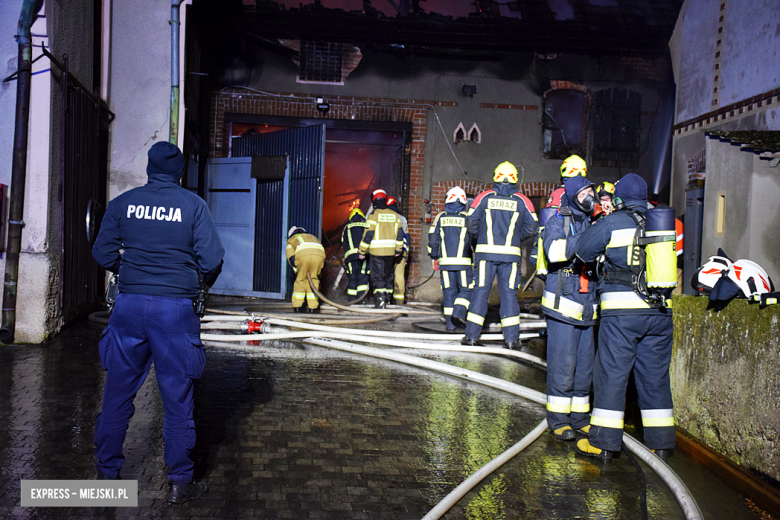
(456, 288)
(569, 377)
(508, 276)
(643, 342)
(382, 274)
(145, 329)
(357, 271)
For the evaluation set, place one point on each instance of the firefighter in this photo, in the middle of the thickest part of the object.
(605, 193)
(450, 248)
(399, 269)
(306, 256)
(634, 333)
(569, 301)
(357, 269)
(383, 240)
(499, 220)
(572, 166)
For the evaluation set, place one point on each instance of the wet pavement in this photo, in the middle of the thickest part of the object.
(296, 431)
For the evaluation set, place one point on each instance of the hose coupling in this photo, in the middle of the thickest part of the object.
(256, 327)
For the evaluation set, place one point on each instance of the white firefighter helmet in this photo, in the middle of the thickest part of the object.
(706, 276)
(456, 194)
(751, 279)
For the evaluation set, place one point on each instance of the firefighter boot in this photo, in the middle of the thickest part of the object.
(583, 447)
(564, 433)
(663, 454)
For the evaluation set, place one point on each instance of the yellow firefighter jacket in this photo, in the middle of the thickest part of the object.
(384, 235)
(303, 244)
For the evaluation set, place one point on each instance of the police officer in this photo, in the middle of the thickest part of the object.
(399, 269)
(450, 248)
(573, 166)
(307, 257)
(499, 220)
(357, 269)
(161, 239)
(383, 240)
(633, 334)
(569, 301)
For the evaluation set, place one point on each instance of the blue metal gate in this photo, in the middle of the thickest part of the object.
(305, 148)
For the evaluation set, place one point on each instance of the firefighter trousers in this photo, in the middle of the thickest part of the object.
(307, 264)
(508, 278)
(456, 288)
(399, 279)
(382, 268)
(570, 357)
(357, 272)
(144, 330)
(642, 343)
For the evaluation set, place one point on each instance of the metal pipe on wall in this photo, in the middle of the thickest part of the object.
(18, 168)
(173, 116)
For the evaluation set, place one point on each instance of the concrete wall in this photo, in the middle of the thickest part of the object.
(725, 382)
(507, 134)
(752, 223)
(139, 86)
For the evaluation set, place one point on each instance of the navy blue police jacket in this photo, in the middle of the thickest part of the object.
(448, 238)
(500, 219)
(166, 236)
(562, 298)
(613, 235)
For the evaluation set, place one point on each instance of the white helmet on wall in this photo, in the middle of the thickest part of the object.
(751, 279)
(706, 276)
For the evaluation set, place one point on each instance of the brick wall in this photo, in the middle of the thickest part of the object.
(415, 111)
(529, 189)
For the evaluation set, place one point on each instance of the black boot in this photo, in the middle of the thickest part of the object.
(315, 310)
(513, 345)
(181, 493)
(470, 342)
(663, 454)
(379, 300)
(297, 310)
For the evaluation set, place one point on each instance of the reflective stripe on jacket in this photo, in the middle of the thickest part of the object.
(384, 235)
(562, 298)
(303, 244)
(351, 237)
(448, 241)
(500, 219)
(613, 236)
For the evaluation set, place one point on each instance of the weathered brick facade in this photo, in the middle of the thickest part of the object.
(529, 189)
(414, 111)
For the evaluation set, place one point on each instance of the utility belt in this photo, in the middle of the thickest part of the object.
(198, 302)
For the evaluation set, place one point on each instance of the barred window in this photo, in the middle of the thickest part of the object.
(616, 128)
(320, 62)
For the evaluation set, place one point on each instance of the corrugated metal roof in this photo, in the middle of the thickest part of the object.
(764, 142)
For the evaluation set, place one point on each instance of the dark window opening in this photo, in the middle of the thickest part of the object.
(320, 62)
(563, 123)
(616, 128)
(460, 135)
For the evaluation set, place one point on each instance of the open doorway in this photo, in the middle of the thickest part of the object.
(359, 158)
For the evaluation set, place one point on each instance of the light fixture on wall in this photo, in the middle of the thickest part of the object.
(322, 105)
(468, 90)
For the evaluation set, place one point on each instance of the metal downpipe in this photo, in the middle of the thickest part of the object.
(173, 134)
(18, 168)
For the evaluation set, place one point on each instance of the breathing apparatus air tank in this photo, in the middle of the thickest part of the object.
(660, 251)
(541, 260)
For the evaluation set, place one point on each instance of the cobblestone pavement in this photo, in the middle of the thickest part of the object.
(295, 431)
